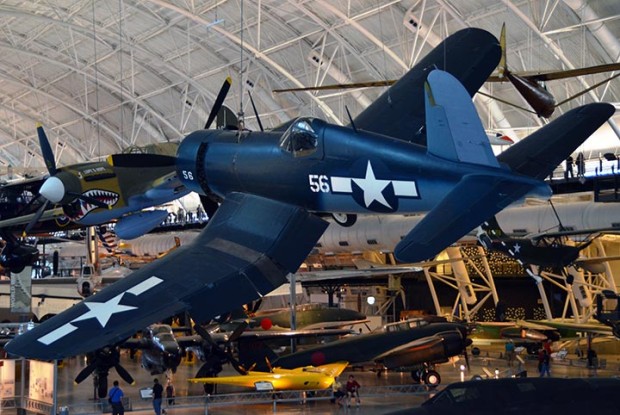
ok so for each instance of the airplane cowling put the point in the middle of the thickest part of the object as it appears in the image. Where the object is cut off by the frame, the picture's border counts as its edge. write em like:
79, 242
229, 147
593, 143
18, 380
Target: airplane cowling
137, 224
451, 344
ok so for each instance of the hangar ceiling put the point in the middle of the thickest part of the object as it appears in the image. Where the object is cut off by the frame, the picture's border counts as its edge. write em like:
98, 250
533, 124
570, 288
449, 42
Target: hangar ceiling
105, 75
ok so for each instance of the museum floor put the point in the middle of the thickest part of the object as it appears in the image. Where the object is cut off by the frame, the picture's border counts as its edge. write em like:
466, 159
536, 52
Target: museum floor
375, 398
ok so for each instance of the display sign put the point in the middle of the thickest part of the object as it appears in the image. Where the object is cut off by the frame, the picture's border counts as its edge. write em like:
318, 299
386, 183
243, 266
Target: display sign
7, 379
41, 384
21, 291
146, 393
264, 386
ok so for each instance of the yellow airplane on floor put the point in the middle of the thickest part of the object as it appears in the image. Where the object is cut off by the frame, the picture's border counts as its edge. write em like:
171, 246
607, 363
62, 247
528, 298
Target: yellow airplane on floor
301, 378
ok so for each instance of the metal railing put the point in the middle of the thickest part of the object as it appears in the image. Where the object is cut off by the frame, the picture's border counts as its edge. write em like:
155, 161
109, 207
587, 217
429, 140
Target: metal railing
243, 398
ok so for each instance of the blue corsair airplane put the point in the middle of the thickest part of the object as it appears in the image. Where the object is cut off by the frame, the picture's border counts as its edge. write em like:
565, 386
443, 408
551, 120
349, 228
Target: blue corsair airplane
272, 187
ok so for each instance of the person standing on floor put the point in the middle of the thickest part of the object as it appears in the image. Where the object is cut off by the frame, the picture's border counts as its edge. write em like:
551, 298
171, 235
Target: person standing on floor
158, 392
115, 397
170, 392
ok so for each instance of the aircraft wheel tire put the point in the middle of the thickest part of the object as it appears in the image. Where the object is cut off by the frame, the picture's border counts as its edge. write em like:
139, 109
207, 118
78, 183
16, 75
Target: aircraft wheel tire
344, 219
432, 379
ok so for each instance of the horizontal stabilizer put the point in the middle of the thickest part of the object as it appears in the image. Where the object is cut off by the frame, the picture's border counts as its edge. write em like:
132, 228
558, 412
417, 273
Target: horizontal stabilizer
476, 198
541, 152
453, 128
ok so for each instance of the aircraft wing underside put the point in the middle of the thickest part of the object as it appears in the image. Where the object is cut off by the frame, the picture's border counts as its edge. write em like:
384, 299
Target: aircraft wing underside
399, 111
246, 250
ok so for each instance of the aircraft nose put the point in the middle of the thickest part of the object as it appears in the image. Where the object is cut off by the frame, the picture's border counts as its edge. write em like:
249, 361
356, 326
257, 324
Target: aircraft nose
53, 189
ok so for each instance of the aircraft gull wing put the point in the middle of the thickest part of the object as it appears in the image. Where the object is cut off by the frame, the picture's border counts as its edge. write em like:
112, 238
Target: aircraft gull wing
399, 111
246, 250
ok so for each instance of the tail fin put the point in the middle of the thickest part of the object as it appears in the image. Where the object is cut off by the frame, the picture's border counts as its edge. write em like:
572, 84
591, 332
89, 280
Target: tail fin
541, 152
454, 130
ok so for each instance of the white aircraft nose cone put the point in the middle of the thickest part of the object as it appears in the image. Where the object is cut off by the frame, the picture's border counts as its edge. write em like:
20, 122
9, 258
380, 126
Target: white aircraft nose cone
53, 189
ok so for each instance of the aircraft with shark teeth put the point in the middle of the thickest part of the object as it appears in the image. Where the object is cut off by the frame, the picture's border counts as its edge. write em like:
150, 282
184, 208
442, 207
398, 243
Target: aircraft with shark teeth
272, 187
84, 194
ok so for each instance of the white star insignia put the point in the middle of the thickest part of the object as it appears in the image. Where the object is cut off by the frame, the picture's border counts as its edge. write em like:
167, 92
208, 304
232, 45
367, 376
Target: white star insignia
372, 187
103, 311
517, 248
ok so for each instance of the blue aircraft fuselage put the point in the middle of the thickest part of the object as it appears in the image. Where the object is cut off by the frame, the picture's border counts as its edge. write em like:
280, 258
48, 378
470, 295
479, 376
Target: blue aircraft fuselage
324, 168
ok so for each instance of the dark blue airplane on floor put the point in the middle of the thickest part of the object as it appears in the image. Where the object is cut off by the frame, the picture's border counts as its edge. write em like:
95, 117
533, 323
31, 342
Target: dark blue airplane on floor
273, 186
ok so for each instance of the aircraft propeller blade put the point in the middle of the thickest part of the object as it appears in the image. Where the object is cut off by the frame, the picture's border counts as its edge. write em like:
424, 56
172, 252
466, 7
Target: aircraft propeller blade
221, 96
36, 217
260, 124
85, 372
226, 353
255, 306
204, 334
268, 364
46, 150
124, 374
238, 331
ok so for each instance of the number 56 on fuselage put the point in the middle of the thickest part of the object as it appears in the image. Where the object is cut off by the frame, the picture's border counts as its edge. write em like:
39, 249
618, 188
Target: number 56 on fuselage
327, 168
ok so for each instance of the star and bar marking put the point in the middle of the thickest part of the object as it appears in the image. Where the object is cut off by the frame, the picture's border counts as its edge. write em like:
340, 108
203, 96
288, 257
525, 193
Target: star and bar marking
101, 311
371, 186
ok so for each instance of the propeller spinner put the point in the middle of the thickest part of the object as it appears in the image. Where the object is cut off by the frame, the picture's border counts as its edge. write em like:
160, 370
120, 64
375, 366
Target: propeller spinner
60, 187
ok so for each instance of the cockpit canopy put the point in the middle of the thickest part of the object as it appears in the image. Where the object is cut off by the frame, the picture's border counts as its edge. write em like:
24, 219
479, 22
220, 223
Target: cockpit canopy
300, 138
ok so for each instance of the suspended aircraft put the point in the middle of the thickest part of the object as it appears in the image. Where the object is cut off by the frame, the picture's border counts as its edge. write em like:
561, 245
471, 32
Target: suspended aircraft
415, 344
271, 187
278, 379
85, 194
543, 250
530, 84
525, 334
94, 193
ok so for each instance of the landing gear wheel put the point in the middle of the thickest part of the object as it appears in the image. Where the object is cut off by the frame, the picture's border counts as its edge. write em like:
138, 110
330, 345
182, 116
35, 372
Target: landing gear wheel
344, 219
432, 379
